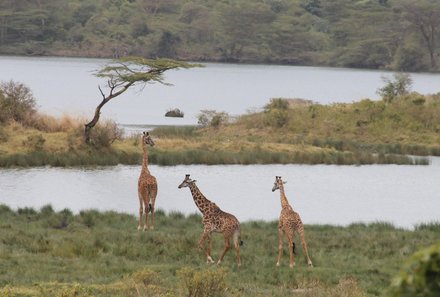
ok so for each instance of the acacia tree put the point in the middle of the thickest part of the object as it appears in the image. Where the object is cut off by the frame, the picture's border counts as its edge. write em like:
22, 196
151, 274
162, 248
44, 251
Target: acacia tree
124, 73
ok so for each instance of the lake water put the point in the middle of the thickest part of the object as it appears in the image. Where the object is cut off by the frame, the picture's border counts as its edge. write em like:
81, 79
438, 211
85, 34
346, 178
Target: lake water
402, 195
322, 194
67, 85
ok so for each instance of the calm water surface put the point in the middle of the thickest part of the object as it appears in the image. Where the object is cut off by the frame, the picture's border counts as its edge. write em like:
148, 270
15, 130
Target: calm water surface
322, 194
67, 85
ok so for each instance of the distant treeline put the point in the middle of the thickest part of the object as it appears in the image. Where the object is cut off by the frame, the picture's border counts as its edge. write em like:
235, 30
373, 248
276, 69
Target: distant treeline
386, 34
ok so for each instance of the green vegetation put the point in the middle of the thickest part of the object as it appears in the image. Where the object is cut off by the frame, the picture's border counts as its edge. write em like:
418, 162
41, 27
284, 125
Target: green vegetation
58, 253
420, 276
287, 131
391, 34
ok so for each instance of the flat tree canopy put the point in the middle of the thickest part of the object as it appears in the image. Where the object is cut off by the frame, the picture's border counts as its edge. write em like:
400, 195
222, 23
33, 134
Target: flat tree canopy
123, 73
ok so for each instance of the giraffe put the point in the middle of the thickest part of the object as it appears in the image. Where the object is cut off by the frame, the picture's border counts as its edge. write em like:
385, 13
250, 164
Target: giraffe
147, 186
214, 220
289, 223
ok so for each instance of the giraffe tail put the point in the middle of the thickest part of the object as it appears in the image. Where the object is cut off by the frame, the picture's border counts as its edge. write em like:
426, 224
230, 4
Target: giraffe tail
237, 238
293, 249
150, 207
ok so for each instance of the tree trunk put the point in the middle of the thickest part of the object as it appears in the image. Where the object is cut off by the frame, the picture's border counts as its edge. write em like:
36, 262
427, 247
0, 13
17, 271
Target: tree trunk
93, 122
88, 127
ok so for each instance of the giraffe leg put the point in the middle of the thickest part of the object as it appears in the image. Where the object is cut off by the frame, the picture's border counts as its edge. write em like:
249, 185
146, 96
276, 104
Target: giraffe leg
140, 211
304, 246
225, 249
237, 243
290, 238
140, 217
146, 216
206, 235
280, 245
153, 202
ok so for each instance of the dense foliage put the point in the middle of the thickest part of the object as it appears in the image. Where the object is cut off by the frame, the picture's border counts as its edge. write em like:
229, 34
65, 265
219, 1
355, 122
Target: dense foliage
394, 34
420, 276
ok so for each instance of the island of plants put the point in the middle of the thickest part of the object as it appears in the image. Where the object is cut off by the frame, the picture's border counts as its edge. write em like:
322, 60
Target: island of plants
388, 131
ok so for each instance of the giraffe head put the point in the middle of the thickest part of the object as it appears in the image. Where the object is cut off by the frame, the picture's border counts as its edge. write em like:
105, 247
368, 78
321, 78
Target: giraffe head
146, 139
186, 182
278, 182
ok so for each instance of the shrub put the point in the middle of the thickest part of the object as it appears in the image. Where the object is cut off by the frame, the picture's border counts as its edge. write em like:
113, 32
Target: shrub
400, 86
3, 135
104, 134
16, 102
174, 113
420, 276
277, 118
212, 118
34, 143
203, 283
276, 103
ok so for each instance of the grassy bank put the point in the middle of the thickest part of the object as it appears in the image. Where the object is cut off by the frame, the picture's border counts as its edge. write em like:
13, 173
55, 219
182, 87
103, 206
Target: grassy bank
286, 131
48, 253
26, 147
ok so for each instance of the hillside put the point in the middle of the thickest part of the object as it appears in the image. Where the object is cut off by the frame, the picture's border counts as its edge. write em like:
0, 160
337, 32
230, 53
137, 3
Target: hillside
385, 34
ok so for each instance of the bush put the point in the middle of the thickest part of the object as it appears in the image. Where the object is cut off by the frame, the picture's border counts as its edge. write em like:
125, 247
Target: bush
203, 283
104, 134
212, 118
392, 89
16, 103
420, 276
34, 143
3, 135
277, 118
276, 103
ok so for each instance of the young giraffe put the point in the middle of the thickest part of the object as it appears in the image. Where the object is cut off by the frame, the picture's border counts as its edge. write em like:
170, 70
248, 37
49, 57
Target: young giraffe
147, 186
289, 223
214, 220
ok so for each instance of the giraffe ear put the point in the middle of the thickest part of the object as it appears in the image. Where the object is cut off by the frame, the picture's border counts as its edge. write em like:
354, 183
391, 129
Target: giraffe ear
148, 133
285, 182
194, 181
143, 132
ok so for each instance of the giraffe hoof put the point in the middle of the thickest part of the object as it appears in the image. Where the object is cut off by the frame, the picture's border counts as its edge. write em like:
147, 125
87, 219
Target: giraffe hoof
278, 264
152, 227
139, 228
219, 262
209, 260
145, 228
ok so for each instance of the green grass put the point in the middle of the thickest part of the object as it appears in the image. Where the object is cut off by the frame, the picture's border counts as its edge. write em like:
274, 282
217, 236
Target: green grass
49, 253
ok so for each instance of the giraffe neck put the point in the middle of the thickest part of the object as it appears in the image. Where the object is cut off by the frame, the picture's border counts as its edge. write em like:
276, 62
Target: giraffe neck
145, 160
283, 198
201, 201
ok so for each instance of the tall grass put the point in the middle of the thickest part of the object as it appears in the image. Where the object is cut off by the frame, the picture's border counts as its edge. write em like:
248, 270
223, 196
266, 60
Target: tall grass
90, 157
57, 253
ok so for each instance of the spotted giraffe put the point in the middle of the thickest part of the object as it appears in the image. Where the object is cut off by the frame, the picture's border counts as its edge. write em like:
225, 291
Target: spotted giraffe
289, 223
214, 220
147, 186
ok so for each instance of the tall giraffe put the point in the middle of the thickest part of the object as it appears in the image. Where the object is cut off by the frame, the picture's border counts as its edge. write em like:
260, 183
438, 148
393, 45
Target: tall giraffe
289, 223
147, 186
214, 220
